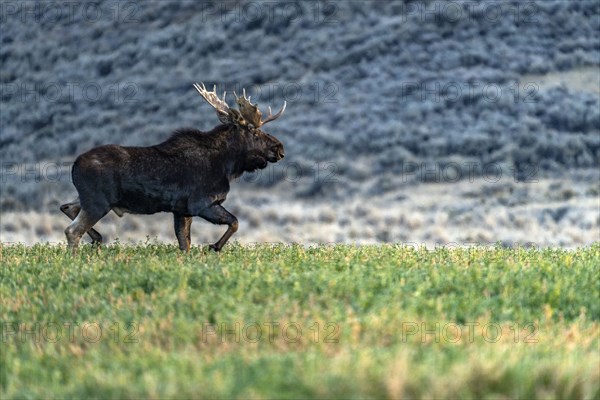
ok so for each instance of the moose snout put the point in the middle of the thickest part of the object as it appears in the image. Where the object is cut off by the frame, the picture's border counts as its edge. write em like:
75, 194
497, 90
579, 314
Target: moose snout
278, 151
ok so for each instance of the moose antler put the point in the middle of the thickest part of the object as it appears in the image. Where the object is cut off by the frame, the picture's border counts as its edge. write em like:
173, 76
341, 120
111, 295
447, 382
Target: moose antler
223, 110
252, 114
272, 117
249, 111
248, 114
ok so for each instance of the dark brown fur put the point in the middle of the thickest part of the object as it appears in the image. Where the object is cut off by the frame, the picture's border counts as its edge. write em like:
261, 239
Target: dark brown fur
187, 175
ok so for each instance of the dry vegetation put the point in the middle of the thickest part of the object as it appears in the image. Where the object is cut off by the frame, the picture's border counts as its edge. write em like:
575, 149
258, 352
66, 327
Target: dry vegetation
549, 212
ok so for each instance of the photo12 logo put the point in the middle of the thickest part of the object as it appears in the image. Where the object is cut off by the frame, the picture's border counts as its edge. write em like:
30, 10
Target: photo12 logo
521, 12
71, 332
468, 332
319, 12
60, 171
68, 92
51, 12
452, 91
453, 172
270, 331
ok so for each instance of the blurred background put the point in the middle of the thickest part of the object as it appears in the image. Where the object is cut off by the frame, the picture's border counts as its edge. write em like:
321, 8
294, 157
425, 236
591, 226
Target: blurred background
417, 122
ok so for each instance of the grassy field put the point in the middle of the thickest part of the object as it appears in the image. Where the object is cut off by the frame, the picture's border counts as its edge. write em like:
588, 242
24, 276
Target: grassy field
290, 321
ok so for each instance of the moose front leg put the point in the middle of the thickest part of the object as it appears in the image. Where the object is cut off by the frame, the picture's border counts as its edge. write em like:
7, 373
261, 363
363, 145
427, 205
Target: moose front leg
182, 231
219, 215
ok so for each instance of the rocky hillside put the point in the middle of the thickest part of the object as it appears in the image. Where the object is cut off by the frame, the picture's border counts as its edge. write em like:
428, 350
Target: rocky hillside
373, 88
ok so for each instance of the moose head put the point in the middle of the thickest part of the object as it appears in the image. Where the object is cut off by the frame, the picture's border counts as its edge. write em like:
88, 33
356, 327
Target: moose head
259, 147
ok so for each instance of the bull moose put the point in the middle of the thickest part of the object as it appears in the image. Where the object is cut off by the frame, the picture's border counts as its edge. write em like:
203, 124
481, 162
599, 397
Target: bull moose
188, 174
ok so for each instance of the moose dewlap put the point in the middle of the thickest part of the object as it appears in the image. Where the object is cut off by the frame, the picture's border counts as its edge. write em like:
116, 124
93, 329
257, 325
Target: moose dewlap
188, 174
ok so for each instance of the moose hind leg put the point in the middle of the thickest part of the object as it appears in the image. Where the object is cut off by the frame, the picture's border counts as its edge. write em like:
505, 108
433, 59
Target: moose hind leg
182, 231
80, 225
71, 210
219, 215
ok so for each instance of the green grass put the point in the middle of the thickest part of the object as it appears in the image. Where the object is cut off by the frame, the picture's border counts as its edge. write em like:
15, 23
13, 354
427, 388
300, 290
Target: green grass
375, 321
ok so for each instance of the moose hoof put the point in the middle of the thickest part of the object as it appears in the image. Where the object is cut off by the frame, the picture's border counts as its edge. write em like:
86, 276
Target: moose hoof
214, 247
